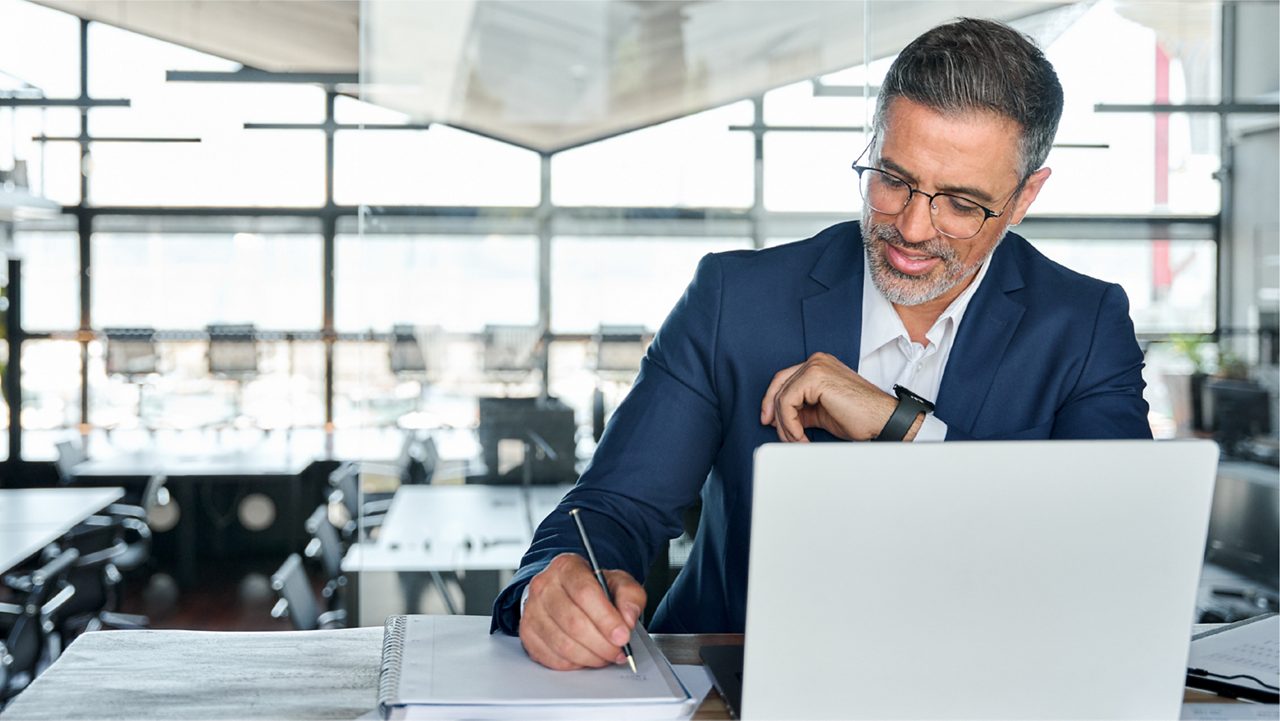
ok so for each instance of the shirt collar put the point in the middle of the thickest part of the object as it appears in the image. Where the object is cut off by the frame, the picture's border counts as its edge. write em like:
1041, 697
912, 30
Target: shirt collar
881, 323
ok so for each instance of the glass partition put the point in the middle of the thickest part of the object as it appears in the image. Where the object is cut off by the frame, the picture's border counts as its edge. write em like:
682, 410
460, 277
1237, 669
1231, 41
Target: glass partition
479, 225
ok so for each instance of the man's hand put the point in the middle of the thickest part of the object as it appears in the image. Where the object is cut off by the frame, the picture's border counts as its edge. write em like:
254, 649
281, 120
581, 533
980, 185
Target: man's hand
568, 623
824, 393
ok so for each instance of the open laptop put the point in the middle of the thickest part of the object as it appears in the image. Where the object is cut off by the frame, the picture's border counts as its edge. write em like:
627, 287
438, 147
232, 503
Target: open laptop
971, 580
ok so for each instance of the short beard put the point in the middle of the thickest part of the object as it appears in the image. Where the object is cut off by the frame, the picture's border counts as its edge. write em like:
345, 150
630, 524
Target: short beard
901, 288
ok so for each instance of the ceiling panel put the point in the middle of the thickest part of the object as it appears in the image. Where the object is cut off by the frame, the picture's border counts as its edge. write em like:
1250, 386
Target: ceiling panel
551, 74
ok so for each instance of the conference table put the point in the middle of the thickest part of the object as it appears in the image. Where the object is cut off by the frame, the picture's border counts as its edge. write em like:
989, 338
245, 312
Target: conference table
32, 518
248, 460
148, 675
478, 530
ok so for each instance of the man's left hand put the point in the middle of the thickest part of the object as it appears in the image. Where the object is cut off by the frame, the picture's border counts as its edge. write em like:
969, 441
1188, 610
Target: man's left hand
824, 393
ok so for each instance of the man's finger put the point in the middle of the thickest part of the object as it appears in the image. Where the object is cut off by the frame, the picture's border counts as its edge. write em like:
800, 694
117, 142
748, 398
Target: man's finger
784, 406
532, 632
792, 400
628, 595
770, 395
608, 629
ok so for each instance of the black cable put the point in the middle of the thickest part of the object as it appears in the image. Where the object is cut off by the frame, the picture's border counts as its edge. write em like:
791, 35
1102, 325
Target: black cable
1202, 672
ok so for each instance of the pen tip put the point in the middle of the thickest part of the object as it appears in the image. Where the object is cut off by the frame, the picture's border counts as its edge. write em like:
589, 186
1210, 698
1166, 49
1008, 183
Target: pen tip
631, 660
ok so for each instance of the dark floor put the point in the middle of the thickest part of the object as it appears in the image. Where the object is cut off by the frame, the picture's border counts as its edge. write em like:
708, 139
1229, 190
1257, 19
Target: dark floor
228, 596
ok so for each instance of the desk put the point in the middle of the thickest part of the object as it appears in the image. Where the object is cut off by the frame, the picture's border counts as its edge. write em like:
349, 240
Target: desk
282, 675
479, 529
31, 519
183, 469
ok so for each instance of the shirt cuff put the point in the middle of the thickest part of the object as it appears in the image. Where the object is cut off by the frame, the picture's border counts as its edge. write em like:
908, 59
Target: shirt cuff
524, 596
932, 430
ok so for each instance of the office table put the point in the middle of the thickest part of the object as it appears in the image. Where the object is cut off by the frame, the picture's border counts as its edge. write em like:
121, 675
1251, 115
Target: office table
280, 459
183, 469
478, 529
267, 675
32, 518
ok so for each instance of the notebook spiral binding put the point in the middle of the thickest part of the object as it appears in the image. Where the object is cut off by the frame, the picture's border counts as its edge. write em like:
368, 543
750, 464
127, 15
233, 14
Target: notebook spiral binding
389, 673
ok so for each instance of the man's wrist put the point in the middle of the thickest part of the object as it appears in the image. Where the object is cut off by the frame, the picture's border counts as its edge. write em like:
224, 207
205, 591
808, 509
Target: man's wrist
906, 418
911, 436
884, 411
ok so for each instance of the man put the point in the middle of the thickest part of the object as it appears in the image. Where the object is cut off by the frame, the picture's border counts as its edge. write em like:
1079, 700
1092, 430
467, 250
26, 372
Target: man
809, 341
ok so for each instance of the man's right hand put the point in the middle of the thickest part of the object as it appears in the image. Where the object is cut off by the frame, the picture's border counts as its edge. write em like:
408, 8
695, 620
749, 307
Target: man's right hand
568, 623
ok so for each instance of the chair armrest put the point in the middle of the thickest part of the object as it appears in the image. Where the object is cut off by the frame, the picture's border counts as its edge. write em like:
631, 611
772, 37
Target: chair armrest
126, 510
373, 520
332, 619
370, 508
52, 605
138, 526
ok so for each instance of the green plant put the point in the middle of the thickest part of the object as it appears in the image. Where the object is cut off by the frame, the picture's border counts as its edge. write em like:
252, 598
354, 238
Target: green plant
1192, 348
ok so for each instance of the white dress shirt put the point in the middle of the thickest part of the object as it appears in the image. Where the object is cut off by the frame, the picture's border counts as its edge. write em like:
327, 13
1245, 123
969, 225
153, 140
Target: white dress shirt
888, 357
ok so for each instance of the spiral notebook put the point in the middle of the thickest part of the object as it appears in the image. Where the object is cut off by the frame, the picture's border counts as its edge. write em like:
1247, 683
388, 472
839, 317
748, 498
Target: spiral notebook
436, 667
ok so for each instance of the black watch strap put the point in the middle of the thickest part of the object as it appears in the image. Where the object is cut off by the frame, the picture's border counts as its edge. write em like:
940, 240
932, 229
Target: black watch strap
910, 405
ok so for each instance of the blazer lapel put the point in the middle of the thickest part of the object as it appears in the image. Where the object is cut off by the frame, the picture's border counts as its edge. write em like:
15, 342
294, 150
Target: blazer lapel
988, 325
833, 315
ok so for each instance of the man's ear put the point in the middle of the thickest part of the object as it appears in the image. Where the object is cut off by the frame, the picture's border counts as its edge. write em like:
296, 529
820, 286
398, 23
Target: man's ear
1030, 190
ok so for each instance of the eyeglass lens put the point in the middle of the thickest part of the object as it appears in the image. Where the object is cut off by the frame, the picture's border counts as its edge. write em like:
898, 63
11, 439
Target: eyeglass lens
952, 215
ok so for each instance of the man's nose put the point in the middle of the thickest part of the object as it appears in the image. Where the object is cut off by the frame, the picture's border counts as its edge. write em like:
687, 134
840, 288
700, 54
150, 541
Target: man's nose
915, 222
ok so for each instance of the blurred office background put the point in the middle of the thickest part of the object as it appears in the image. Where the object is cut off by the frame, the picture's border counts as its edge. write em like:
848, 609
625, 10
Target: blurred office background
256, 245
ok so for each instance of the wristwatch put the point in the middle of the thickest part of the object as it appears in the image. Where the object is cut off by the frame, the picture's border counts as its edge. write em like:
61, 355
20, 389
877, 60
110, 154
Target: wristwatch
909, 406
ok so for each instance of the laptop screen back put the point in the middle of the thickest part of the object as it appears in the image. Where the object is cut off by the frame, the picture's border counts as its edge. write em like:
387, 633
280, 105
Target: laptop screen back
974, 580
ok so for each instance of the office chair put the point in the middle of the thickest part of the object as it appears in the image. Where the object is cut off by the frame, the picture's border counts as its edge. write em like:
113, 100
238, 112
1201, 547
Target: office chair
418, 459
510, 353
131, 355
233, 355
98, 542
28, 638
619, 350
297, 600
405, 356
71, 453
362, 521
326, 546
136, 526
361, 516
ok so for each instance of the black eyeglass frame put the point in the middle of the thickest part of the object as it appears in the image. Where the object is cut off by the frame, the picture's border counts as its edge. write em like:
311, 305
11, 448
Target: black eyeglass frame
913, 191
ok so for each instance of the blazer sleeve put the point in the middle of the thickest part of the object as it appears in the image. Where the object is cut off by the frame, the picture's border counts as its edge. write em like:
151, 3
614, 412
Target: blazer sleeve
1106, 401
653, 457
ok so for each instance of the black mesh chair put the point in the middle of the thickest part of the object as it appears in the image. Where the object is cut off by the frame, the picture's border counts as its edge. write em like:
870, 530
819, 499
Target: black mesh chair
135, 525
99, 541
364, 516
298, 601
361, 514
71, 453
326, 547
28, 637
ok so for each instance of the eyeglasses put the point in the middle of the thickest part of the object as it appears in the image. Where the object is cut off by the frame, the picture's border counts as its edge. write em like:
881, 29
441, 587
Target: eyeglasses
952, 215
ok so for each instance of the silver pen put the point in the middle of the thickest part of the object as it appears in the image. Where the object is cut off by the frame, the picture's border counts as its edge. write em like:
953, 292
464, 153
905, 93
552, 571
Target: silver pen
595, 568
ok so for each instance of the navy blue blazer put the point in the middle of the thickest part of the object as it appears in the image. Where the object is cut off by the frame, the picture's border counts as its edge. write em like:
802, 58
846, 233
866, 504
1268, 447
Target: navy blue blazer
1043, 352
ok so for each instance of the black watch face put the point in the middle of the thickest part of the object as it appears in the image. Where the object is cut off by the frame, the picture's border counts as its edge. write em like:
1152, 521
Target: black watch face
908, 393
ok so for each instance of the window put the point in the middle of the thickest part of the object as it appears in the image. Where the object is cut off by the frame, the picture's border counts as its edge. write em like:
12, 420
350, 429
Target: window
440, 166
50, 278
693, 161
1171, 284
185, 281
631, 281
457, 283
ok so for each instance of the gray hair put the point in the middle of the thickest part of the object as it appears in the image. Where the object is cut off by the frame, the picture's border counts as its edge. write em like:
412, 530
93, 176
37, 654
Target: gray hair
980, 65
